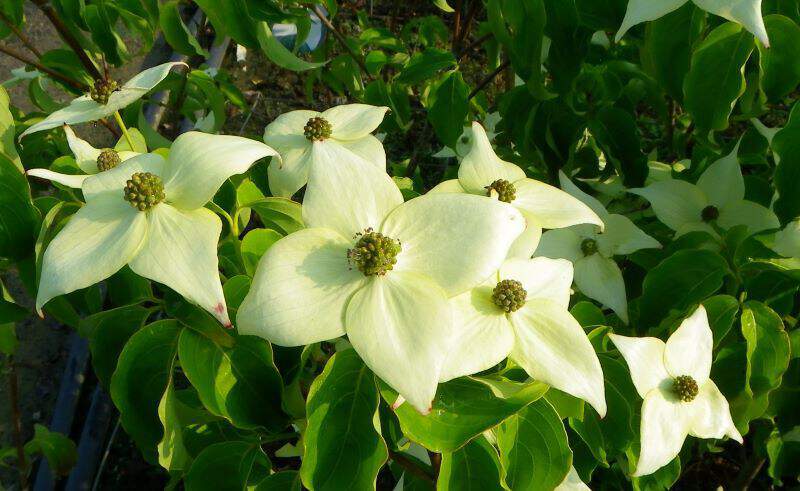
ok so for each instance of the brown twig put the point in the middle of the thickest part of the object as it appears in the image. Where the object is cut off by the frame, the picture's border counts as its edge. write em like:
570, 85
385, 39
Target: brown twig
20, 35
474, 44
340, 39
19, 443
68, 37
466, 23
486, 81
412, 467
456, 26
110, 127
19, 56
748, 473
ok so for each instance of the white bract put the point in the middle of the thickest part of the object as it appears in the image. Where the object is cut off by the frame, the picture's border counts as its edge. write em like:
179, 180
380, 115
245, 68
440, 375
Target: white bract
572, 482
592, 252
679, 398
717, 198
464, 142
745, 12
303, 137
378, 270
155, 223
482, 172
522, 312
85, 109
86, 157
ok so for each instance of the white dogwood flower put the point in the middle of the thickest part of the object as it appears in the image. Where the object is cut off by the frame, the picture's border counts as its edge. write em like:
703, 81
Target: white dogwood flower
482, 172
592, 252
89, 159
716, 199
522, 312
464, 142
148, 213
105, 99
679, 398
301, 137
572, 482
378, 270
745, 12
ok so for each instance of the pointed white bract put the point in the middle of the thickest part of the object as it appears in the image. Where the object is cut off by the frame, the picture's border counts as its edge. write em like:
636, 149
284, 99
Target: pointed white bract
321, 282
745, 12
172, 241
349, 127
542, 205
84, 109
538, 333
669, 412
717, 200
86, 157
592, 252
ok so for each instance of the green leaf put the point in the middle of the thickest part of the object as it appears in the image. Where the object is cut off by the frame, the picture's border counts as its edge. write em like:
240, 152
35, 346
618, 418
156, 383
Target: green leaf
240, 383
281, 481
343, 448
231, 17
143, 372
223, 466
177, 410
616, 133
668, 44
235, 289
279, 214
588, 314
780, 63
8, 339
768, 348
108, 332
278, 53
254, 245
101, 26
786, 145
678, 282
716, 77
59, 450
475, 466
463, 408
534, 449
721, 310
175, 31
425, 65
7, 132
449, 108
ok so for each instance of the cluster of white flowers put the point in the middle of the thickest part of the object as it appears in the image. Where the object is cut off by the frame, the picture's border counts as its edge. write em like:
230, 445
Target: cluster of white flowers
441, 286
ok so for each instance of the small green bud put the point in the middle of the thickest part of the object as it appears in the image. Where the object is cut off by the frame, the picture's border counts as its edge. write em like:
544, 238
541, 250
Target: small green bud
108, 159
144, 190
374, 253
102, 90
685, 388
506, 191
709, 213
588, 247
509, 295
317, 129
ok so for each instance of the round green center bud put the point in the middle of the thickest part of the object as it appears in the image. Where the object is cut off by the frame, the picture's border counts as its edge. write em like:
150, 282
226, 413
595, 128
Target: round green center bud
102, 89
506, 191
317, 129
144, 190
374, 254
685, 388
108, 159
709, 213
588, 247
509, 295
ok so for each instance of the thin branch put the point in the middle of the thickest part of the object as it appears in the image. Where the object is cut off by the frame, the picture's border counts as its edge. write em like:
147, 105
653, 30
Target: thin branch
474, 44
68, 37
110, 127
340, 39
60, 76
411, 466
22, 37
486, 81
456, 26
466, 23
